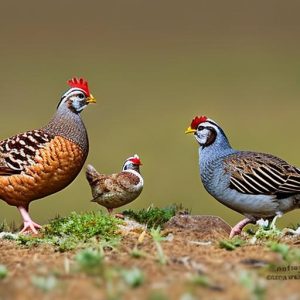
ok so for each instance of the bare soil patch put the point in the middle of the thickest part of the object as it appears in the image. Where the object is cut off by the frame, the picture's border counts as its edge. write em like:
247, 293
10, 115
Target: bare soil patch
196, 267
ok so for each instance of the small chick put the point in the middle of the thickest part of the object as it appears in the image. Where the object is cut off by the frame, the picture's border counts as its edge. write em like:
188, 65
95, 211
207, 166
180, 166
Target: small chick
112, 191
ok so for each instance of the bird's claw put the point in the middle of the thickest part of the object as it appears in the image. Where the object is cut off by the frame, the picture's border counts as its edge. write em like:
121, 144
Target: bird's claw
30, 226
119, 216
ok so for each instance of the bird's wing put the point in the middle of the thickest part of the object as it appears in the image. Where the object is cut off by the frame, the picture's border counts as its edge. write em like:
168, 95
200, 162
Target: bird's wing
127, 180
5, 171
20, 151
113, 184
259, 173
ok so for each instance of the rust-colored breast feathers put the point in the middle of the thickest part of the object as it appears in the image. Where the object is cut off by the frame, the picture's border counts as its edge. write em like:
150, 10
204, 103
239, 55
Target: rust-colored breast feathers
37, 168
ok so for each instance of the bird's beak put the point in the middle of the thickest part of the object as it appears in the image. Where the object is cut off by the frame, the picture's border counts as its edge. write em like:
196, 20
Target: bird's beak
190, 130
90, 99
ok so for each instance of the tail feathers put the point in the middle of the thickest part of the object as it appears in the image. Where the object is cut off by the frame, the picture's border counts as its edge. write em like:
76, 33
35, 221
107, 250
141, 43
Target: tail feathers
91, 174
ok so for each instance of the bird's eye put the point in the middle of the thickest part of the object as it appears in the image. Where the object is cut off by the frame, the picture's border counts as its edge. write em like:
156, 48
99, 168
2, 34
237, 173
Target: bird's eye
81, 96
201, 128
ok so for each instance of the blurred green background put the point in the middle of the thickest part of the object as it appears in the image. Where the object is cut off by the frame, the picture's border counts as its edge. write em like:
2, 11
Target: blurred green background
153, 66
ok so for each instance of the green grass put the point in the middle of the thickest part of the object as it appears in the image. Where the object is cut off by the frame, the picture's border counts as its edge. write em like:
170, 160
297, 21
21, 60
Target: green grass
157, 239
75, 230
231, 244
154, 216
44, 283
90, 261
287, 253
255, 285
3, 272
205, 281
3, 225
83, 230
133, 277
266, 231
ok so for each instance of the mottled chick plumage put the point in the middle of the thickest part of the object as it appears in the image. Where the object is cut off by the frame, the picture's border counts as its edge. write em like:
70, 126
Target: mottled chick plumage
118, 189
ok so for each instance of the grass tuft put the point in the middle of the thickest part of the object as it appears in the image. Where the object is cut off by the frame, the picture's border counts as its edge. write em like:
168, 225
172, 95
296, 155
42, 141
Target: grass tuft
231, 244
46, 284
154, 216
206, 282
287, 253
75, 230
3, 226
133, 277
90, 261
157, 239
266, 231
294, 226
3, 272
255, 285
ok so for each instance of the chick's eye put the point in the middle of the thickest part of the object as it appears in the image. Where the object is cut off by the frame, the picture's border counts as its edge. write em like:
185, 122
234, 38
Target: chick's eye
81, 96
200, 128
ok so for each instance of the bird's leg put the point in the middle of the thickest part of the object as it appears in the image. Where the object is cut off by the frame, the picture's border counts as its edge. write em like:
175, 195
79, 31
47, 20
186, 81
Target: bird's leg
120, 216
237, 229
29, 225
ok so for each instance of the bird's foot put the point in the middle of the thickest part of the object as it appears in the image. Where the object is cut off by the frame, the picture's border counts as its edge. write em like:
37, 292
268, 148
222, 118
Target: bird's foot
237, 229
119, 216
30, 226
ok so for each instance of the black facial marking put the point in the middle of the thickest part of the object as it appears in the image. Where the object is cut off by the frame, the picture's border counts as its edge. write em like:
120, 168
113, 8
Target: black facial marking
211, 136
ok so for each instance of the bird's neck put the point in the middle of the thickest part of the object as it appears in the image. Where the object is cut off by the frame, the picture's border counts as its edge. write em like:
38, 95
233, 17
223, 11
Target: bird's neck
136, 173
69, 125
219, 148
135, 168
127, 167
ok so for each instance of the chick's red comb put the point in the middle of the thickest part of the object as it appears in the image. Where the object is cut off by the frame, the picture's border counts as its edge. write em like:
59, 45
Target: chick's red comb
79, 83
136, 160
197, 120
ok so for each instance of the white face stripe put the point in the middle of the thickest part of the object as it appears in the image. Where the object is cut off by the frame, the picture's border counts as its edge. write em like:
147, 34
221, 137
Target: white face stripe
73, 91
69, 93
204, 134
209, 124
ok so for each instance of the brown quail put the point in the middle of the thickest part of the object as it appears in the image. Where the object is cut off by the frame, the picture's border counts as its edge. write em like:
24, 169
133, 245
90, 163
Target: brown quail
41, 162
112, 191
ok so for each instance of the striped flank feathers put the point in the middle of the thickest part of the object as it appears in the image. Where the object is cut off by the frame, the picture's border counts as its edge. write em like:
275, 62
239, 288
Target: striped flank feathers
259, 173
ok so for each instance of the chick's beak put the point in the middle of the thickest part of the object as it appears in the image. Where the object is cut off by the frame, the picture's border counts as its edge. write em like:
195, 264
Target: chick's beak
90, 99
190, 130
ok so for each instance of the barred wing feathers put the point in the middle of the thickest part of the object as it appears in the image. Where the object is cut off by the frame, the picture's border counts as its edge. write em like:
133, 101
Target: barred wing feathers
259, 173
20, 151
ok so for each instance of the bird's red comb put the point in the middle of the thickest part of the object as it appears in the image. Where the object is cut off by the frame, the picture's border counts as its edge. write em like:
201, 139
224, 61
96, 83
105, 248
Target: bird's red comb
136, 160
198, 120
79, 83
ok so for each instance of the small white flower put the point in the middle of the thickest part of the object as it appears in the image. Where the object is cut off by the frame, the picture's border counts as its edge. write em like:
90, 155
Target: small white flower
297, 231
262, 223
6, 235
